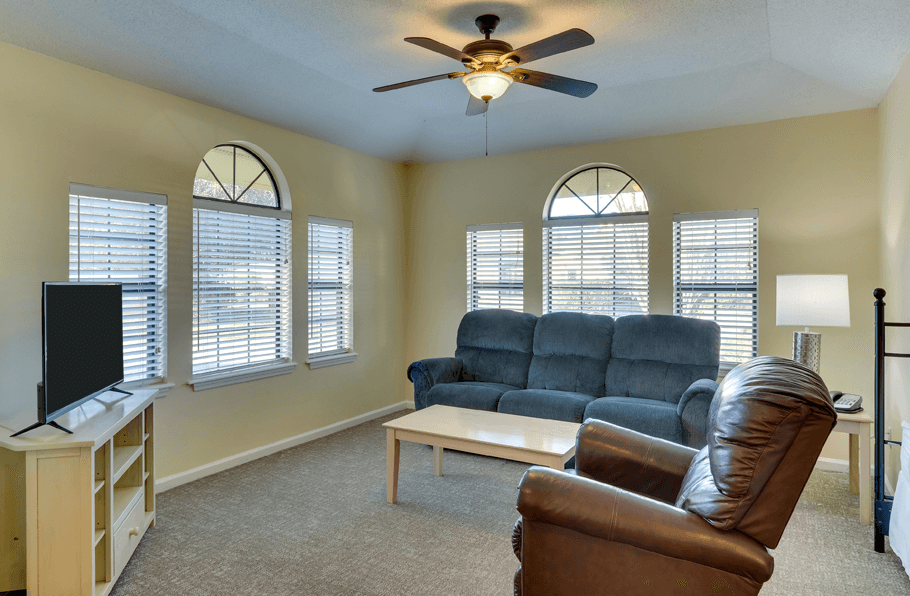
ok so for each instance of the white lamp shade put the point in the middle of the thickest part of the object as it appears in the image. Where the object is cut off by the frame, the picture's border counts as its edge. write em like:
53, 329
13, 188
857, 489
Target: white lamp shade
813, 301
487, 83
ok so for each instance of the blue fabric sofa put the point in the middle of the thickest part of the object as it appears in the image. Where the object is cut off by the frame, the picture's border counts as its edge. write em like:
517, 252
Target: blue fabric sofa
651, 373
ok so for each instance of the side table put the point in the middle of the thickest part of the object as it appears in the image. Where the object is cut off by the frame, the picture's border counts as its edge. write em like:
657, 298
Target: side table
859, 427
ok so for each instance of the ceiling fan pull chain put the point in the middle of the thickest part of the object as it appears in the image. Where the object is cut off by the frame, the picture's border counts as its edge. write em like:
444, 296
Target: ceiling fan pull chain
486, 134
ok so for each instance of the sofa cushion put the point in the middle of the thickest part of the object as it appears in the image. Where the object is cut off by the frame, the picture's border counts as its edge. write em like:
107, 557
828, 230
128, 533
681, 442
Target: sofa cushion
495, 346
468, 394
543, 403
653, 417
659, 356
571, 352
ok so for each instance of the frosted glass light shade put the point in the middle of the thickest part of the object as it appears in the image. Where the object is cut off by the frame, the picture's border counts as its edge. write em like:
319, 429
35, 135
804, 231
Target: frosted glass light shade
484, 83
813, 301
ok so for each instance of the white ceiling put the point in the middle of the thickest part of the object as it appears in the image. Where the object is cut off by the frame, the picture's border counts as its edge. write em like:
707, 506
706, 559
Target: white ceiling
309, 66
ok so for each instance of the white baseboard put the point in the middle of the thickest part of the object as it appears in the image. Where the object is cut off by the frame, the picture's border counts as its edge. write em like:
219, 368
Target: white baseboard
832, 465
175, 480
842, 465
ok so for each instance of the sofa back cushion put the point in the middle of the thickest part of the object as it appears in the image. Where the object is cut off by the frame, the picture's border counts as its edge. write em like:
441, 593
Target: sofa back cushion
659, 356
496, 345
571, 352
768, 423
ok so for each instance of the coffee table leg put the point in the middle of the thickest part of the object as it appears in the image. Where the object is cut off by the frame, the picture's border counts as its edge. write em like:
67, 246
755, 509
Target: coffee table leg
437, 460
393, 450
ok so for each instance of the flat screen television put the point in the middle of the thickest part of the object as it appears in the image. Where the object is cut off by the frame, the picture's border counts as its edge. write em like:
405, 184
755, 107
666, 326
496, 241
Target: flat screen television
82, 346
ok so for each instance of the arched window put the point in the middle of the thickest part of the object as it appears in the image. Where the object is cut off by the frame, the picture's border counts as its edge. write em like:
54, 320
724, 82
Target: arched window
595, 239
241, 269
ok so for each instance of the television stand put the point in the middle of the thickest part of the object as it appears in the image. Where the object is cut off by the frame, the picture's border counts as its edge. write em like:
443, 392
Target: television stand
119, 390
40, 424
73, 508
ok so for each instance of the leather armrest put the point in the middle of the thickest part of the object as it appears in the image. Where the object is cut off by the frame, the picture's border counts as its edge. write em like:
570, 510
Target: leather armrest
609, 513
693, 410
631, 460
430, 371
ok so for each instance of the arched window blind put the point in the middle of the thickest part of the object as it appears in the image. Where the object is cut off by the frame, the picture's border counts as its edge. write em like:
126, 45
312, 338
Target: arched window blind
595, 245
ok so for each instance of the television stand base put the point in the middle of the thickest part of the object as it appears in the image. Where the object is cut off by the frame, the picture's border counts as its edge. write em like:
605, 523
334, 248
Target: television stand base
38, 424
119, 390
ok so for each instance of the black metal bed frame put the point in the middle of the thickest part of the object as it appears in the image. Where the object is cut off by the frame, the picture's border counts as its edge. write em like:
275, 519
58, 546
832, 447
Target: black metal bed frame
883, 502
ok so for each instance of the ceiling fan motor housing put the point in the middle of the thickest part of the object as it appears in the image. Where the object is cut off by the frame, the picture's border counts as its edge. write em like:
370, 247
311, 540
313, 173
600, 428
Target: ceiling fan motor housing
487, 50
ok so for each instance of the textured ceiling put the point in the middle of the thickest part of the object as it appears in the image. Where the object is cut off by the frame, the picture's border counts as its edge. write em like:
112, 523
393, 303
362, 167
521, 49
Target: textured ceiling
662, 66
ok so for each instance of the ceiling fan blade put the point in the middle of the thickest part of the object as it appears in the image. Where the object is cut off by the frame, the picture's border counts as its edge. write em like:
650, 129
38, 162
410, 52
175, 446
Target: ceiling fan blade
555, 44
553, 82
440, 48
476, 106
451, 75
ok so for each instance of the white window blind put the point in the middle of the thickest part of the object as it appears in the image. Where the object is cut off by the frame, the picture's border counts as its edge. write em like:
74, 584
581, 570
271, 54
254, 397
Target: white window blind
715, 276
496, 266
596, 266
241, 288
121, 236
331, 274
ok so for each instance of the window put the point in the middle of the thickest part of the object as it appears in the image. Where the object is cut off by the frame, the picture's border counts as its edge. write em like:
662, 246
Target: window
715, 277
595, 244
121, 236
495, 266
330, 285
241, 271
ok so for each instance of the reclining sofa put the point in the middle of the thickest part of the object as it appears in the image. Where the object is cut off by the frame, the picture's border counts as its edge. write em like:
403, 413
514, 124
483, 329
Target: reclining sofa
654, 374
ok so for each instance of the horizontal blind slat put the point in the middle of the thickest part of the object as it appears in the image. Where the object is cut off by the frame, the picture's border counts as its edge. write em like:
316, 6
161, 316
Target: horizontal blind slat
126, 242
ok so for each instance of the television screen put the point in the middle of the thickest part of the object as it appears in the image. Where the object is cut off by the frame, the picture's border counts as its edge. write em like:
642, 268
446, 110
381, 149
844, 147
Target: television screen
83, 343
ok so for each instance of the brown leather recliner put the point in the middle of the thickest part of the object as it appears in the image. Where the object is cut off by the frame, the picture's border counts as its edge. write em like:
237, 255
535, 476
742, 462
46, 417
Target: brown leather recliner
641, 515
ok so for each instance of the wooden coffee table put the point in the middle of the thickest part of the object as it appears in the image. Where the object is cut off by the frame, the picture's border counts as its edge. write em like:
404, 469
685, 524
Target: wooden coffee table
518, 438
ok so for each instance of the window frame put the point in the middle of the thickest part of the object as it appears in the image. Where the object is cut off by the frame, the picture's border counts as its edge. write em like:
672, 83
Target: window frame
598, 222
284, 364
749, 218
344, 328
156, 205
505, 287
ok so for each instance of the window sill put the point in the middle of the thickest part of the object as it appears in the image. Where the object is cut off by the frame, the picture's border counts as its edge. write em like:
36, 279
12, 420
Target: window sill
334, 359
162, 387
215, 380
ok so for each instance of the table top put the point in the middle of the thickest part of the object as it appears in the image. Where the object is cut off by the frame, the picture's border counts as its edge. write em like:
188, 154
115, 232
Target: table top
552, 437
864, 416
92, 423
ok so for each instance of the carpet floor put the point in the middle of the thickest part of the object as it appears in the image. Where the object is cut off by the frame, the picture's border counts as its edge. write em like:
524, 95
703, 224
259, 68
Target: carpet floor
313, 520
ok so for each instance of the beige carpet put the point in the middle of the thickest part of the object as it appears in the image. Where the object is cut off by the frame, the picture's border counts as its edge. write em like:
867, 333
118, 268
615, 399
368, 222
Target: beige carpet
313, 520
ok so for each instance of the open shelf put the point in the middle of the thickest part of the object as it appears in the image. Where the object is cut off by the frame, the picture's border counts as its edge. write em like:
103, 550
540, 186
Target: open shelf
123, 500
98, 485
123, 457
99, 534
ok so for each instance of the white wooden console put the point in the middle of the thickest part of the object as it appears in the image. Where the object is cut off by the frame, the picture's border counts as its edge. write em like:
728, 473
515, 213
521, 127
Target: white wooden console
74, 507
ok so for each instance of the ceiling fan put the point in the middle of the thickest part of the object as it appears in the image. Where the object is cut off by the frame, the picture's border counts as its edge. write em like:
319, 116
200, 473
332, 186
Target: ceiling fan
488, 58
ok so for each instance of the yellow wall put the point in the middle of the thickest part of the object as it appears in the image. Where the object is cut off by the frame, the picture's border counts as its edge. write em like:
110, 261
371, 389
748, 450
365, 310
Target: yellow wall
60, 123
894, 126
814, 181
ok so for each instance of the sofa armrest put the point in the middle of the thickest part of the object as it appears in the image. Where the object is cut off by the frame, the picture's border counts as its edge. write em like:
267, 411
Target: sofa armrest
693, 411
631, 460
612, 514
430, 371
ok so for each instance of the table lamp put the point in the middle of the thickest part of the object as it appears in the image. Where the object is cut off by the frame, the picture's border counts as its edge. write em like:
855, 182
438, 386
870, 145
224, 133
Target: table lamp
811, 300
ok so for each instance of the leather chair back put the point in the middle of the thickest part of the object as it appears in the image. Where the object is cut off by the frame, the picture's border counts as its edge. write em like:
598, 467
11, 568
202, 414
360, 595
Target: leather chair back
768, 423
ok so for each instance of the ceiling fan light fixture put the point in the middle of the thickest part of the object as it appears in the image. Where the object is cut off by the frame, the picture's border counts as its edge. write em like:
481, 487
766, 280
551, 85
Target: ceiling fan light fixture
487, 84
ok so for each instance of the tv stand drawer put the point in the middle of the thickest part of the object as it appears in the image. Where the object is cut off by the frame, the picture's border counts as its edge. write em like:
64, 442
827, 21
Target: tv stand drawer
128, 535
